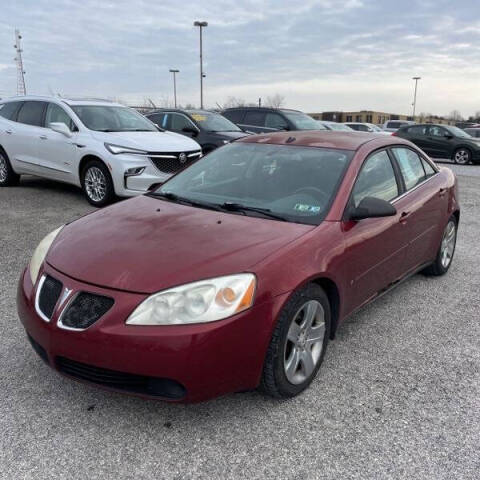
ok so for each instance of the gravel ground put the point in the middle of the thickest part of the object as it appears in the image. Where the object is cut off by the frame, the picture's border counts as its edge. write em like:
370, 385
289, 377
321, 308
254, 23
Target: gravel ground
397, 397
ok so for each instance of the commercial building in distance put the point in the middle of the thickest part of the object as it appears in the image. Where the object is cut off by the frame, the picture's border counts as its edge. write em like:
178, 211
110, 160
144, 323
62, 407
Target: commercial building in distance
378, 118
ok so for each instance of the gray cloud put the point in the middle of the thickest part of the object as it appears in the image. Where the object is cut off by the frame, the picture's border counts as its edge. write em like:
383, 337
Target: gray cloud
320, 54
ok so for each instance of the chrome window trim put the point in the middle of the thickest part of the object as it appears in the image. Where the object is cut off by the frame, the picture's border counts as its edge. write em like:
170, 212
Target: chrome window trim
412, 189
37, 299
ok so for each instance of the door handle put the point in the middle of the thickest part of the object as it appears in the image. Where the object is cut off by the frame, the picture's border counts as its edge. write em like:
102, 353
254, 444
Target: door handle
43, 137
442, 192
404, 216
8, 131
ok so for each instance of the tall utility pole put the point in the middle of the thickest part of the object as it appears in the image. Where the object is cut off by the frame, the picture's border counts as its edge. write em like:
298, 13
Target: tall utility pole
415, 96
201, 25
172, 70
21, 90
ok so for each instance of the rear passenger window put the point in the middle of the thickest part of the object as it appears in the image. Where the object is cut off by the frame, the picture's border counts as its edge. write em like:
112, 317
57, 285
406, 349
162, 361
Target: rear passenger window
376, 179
254, 118
410, 165
8, 110
418, 130
234, 116
31, 113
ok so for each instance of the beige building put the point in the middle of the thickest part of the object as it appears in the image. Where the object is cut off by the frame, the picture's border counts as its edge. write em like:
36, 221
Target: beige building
370, 116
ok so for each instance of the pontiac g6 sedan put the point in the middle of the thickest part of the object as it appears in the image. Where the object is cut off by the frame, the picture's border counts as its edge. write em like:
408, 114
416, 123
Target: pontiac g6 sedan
237, 271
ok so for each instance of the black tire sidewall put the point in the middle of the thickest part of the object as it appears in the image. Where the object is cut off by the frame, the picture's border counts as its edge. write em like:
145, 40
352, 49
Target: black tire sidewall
469, 156
110, 191
275, 355
12, 177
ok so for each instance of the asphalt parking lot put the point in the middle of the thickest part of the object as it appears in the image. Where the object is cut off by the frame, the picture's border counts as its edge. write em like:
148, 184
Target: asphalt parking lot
397, 397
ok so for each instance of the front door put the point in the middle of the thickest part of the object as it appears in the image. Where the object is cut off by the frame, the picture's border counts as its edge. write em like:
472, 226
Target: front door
375, 247
440, 142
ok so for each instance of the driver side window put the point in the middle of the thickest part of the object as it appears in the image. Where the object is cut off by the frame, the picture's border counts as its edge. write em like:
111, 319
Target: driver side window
56, 114
376, 179
437, 132
179, 122
274, 120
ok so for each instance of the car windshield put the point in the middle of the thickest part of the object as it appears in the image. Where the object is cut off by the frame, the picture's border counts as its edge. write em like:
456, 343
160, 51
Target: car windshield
295, 184
105, 118
214, 122
458, 132
302, 121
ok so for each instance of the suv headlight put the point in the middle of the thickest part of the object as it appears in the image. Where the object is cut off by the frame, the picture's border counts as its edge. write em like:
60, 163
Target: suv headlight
198, 302
117, 149
40, 253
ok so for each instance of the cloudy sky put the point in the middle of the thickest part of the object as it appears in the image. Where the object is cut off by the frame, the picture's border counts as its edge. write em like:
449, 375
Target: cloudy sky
319, 54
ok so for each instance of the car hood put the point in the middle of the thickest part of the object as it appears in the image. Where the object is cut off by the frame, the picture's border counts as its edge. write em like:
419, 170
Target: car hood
146, 244
230, 135
149, 141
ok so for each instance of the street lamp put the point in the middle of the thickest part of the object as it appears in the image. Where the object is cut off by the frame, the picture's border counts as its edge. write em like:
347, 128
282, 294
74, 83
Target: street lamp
201, 25
415, 95
174, 84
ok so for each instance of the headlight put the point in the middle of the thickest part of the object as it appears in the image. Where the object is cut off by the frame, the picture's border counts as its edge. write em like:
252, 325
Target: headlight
117, 149
40, 253
199, 302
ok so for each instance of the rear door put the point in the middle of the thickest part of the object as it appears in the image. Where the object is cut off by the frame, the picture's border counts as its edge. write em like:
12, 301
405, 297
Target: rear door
375, 247
8, 129
57, 152
421, 207
254, 121
417, 135
26, 137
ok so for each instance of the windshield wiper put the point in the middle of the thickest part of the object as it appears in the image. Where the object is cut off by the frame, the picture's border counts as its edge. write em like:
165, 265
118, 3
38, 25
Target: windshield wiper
237, 207
187, 201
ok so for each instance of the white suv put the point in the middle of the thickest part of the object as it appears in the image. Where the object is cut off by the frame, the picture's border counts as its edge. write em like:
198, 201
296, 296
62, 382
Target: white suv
105, 148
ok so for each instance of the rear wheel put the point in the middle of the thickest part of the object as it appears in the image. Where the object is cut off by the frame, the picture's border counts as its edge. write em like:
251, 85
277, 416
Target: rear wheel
445, 253
298, 343
462, 156
7, 176
97, 183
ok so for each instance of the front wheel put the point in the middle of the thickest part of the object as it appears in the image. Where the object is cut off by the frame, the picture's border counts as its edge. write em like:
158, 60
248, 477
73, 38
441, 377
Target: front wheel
462, 156
97, 184
7, 176
444, 257
298, 343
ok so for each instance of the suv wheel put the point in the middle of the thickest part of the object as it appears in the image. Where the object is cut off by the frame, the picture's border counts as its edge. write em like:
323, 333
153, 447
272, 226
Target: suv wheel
298, 343
7, 175
97, 184
462, 156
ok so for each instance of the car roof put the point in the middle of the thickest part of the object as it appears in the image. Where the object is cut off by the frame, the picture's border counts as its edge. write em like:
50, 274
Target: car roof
266, 109
57, 99
323, 138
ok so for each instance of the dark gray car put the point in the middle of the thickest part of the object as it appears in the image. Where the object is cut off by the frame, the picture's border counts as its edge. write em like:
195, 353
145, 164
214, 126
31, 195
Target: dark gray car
209, 129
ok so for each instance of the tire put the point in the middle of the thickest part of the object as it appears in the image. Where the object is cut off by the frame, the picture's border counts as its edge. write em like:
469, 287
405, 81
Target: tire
286, 371
97, 184
445, 253
7, 176
462, 156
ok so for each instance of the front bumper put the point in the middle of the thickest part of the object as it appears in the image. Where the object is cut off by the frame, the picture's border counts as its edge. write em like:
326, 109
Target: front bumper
206, 360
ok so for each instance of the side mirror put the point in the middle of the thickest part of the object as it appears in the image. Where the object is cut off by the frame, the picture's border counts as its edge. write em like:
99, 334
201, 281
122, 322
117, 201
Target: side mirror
191, 130
60, 127
371, 207
448, 135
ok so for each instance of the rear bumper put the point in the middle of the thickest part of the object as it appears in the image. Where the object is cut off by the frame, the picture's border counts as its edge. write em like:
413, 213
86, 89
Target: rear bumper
206, 360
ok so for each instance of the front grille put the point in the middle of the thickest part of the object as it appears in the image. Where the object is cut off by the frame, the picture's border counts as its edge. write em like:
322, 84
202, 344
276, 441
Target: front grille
171, 162
85, 310
41, 352
162, 387
49, 294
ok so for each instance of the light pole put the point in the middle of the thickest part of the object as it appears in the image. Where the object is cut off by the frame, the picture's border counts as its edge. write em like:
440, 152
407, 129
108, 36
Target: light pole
201, 25
172, 70
415, 95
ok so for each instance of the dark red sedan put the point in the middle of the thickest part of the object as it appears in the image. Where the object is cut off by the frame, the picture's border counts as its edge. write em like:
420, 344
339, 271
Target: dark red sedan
237, 271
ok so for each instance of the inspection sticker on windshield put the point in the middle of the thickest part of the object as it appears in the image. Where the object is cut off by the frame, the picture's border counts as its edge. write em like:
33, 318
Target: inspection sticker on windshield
303, 207
199, 118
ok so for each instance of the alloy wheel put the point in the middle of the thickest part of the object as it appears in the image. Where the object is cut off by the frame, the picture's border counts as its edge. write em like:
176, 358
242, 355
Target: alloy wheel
95, 184
448, 244
304, 344
462, 156
3, 168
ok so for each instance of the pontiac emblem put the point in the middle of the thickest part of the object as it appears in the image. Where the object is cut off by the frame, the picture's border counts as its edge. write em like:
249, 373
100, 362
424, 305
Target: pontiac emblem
182, 157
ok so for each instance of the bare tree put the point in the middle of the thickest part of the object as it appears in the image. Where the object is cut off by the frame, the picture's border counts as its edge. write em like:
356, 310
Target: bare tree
276, 101
455, 115
234, 102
